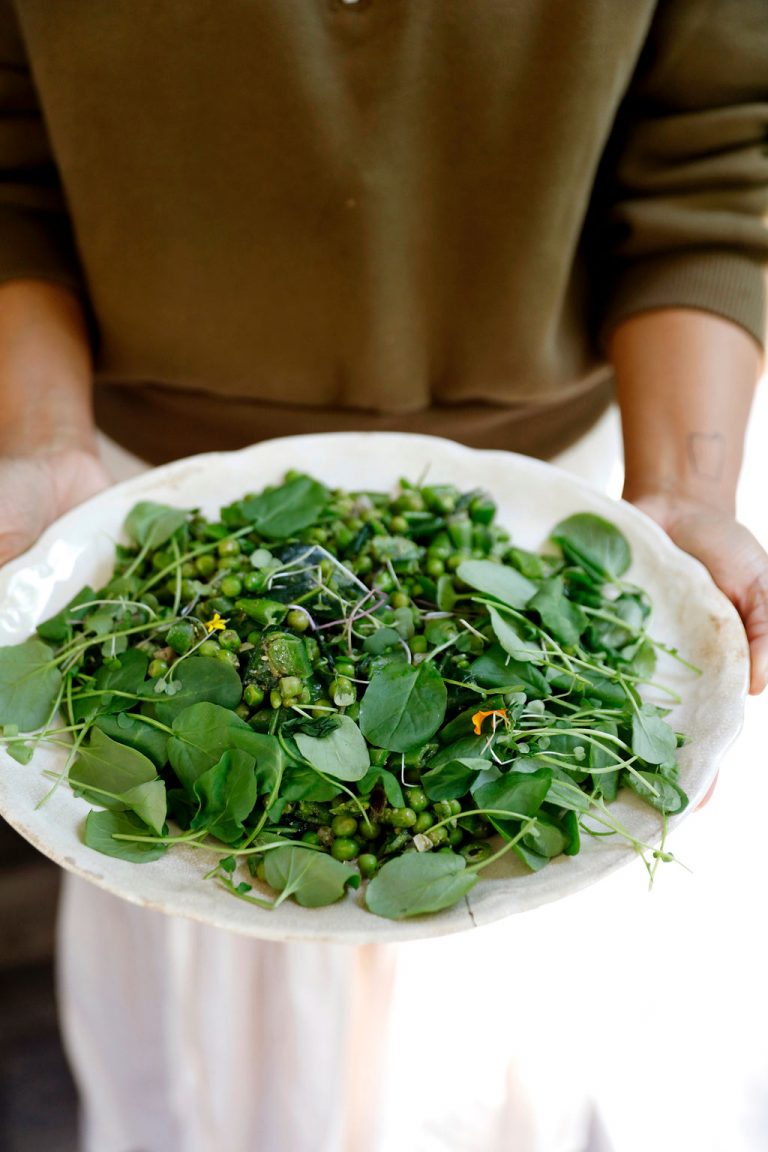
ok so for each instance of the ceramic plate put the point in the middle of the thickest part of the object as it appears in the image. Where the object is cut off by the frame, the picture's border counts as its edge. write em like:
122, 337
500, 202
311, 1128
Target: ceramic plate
689, 613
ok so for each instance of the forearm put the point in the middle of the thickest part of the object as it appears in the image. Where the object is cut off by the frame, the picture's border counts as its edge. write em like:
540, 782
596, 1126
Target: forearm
685, 381
45, 371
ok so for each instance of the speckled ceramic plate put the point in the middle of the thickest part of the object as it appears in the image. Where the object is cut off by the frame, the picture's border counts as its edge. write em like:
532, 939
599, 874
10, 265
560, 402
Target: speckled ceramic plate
689, 612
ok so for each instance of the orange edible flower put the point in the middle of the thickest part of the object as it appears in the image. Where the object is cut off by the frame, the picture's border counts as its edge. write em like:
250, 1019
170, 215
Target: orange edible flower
215, 624
477, 719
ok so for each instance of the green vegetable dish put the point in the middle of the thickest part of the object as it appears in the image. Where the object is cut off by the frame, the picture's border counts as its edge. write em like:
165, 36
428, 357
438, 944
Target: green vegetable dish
327, 687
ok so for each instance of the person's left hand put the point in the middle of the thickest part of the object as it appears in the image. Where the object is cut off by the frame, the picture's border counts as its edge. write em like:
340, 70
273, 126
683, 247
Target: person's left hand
736, 561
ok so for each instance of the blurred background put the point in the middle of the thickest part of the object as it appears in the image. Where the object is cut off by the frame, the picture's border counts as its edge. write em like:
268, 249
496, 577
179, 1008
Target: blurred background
616, 1021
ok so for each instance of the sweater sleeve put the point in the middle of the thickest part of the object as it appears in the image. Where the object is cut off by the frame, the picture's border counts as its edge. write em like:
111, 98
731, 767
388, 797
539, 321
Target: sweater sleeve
35, 234
683, 195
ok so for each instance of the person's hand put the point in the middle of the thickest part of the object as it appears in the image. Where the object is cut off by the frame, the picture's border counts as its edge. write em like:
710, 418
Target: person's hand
37, 488
735, 559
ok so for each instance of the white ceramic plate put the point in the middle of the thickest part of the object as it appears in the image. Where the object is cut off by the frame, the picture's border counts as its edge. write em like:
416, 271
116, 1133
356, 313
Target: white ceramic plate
689, 612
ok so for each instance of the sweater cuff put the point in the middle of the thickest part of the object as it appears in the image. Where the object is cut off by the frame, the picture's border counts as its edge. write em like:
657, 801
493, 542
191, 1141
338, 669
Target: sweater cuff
729, 284
38, 246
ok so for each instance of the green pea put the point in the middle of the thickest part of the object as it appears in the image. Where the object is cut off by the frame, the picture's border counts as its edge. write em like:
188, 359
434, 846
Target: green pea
205, 565
438, 836
253, 696
368, 829
455, 560
230, 640
455, 837
231, 587
221, 604
418, 643
191, 589
157, 668
298, 620
434, 566
417, 799
255, 581
424, 822
161, 560
290, 686
275, 699
344, 668
399, 817
367, 863
229, 547
311, 837
343, 691
228, 657
243, 711
401, 600
345, 848
344, 826
399, 524
209, 648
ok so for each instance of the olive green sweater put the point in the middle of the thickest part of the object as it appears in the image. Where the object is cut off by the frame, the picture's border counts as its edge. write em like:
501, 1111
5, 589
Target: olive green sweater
298, 215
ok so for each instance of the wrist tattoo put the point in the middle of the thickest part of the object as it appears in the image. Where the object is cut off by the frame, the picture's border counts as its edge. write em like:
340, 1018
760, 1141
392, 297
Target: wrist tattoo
706, 454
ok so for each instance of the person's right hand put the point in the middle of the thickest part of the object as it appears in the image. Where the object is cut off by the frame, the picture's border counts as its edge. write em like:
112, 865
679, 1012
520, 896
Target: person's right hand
36, 489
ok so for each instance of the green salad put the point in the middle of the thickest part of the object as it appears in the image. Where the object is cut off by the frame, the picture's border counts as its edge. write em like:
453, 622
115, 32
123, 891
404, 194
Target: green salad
324, 688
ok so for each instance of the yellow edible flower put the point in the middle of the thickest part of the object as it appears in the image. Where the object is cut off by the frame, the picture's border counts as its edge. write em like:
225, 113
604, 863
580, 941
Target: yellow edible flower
215, 624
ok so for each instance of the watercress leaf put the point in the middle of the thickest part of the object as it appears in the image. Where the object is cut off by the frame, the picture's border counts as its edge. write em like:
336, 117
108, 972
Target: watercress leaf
564, 793
655, 790
641, 658
301, 782
342, 753
508, 634
127, 674
280, 512
545, 837
559, 616
149, 802
534, 860
29, 684
652, 738
57, 628
417, 883
266, 751
151, 524
498, 580
403, 706
201, 679
470, 746
389, 783
226, 795
594, 543
519, 793
101, 827
107, 766
314, 879
201, 734
452, 780
127, 728
496, 669
381, 640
